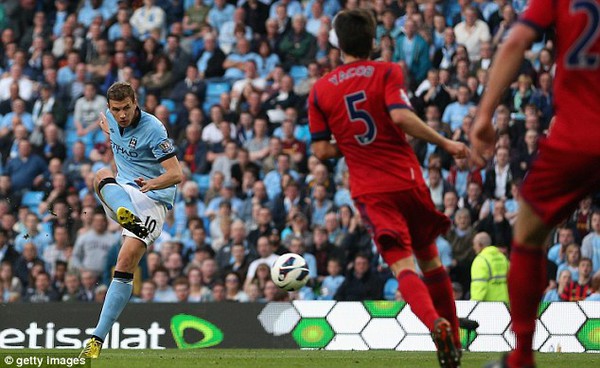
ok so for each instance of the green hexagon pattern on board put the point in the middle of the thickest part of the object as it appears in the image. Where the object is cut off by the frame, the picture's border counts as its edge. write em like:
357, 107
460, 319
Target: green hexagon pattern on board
313, 333
589, 334
383, 308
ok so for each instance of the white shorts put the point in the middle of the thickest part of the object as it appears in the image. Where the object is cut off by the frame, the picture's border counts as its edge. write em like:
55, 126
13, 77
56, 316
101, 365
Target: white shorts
151, 212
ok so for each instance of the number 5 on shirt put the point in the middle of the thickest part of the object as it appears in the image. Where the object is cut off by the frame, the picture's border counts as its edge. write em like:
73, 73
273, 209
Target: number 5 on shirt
363, 116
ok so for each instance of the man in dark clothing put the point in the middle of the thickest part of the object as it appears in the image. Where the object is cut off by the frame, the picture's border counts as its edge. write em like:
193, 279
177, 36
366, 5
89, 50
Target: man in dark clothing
361, 283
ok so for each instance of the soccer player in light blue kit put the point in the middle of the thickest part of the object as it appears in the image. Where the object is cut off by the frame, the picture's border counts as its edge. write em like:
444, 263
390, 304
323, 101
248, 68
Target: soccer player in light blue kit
138, 197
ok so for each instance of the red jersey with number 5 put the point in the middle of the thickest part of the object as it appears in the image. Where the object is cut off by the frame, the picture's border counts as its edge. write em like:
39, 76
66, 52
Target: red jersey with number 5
576, 86
352, 104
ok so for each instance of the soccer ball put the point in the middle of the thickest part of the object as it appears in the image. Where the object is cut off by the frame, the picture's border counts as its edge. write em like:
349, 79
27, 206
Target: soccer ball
290, 272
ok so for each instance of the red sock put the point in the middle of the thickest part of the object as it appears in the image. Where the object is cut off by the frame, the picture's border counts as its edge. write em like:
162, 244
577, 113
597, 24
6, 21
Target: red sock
414, 292
440, 289
526, 283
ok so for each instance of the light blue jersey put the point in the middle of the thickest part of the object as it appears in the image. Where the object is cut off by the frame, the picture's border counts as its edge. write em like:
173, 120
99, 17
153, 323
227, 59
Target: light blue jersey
138, 151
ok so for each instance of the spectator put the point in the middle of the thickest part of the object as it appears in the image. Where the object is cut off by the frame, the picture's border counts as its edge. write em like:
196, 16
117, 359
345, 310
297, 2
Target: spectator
8, 253
456, 111
564, 280
59, 250
43, 291
297, 46
72, 288
210, 63
18, 114
266, 256
472, 32
158, 81
10, 285
220, 13
91, 248
413, 50
332, 282
33, 233
590, 247
196, 290
460, 238
233, 292
595, 296
579, 290
497, 226
361, 283
572, 258
181, 287
488, 271
89, 281
164, 292
557, 253
148, 18
16, 76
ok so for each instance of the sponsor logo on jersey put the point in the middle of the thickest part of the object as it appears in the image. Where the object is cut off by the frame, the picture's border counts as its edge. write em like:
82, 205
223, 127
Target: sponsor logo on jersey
123, 151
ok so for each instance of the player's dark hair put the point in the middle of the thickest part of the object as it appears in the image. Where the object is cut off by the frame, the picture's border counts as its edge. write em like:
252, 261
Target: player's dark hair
120, 91
355, 30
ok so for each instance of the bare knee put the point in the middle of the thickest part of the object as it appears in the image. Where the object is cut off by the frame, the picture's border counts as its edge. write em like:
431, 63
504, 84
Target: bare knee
430, 264
530, 230
130, 255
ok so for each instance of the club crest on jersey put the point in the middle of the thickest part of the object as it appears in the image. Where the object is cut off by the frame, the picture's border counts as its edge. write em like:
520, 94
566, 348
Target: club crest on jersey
166, 146
132, 142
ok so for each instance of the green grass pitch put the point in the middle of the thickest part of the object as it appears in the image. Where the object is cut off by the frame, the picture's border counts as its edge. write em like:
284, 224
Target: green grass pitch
259, 358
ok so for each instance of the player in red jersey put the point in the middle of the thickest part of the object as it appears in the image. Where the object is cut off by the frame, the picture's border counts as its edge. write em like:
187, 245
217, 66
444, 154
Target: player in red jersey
568, 163
363, 105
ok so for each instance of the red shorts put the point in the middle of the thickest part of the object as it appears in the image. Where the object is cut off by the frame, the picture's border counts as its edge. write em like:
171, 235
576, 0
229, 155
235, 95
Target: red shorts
403, 223
558, 179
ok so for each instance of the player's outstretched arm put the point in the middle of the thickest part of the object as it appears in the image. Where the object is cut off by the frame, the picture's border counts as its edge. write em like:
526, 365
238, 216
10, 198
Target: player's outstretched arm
414, 126
172, 176
325, 150
506, 63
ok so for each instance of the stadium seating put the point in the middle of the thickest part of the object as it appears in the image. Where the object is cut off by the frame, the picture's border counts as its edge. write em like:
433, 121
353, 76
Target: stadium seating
32, 199
214, 89
169, 104
203, 182
298, 73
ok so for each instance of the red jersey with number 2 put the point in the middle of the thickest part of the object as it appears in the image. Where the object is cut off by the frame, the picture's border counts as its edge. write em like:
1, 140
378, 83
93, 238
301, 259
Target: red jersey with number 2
352, 104
576, 87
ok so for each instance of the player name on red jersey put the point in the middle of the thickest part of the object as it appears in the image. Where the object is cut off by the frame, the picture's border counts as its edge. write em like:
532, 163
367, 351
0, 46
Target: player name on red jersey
359, 71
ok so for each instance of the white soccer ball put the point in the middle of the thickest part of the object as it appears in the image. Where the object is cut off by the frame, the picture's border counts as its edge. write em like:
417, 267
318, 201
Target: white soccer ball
290, 272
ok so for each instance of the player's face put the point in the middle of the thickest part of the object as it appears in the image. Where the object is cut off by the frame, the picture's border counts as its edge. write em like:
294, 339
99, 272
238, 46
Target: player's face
123, 111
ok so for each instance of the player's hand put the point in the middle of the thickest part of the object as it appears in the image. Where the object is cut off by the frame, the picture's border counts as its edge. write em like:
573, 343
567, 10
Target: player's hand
483, 139
103, 122
145, 185
456, 149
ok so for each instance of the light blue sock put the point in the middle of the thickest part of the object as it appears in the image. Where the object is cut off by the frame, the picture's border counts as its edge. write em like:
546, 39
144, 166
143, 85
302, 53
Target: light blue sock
115, 196
117, 296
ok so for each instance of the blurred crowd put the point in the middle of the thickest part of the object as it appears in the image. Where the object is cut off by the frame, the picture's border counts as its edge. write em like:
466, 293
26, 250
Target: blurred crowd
229, 80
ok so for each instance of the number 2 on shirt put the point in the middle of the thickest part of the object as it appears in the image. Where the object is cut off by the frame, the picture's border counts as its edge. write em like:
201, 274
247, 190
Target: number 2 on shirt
363, 116
579, 56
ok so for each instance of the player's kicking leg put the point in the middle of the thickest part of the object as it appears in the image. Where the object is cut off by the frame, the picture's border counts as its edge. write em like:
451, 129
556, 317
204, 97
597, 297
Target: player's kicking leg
119, 202
416, 294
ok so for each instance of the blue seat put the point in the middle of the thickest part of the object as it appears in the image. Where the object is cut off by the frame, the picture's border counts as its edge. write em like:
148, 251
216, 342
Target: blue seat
32, 199
214, 89
203, 182
208, 103
298, 73
168, 103
70, 124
